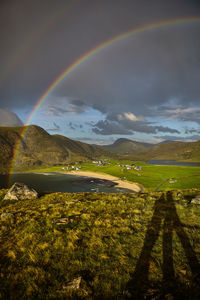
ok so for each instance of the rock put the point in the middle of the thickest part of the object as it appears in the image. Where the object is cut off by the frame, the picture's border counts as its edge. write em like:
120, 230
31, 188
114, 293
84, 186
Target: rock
20, 191
61, 221
7, 216
73, 285
195, 201
128, 294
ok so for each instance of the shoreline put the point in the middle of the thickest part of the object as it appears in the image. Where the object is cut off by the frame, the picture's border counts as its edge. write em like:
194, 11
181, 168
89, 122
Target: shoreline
119, 183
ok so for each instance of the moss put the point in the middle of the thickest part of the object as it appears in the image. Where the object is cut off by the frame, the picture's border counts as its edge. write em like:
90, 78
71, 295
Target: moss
107, 239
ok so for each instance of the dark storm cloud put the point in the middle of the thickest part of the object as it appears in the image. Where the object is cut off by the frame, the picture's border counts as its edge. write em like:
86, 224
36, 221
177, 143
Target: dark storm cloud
55, 110
152, 69
179, 112
44, 37
191, 131
40, 39
108, 128
137, 124
73, 106
77, 102
127, 127
77, 106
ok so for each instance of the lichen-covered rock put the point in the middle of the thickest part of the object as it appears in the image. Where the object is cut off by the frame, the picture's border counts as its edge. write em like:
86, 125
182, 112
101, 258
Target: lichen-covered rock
20, 191
195, 201
6, 216
73, 285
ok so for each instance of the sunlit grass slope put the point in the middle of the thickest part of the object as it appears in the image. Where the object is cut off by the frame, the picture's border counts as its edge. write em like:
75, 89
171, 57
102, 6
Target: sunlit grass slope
119, 244
178, 151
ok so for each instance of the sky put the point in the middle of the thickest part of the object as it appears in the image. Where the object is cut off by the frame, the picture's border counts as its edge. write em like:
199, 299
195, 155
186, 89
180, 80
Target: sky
143, 87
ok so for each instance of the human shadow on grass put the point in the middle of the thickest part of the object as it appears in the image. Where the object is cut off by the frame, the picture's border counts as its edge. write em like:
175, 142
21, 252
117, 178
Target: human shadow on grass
164, 209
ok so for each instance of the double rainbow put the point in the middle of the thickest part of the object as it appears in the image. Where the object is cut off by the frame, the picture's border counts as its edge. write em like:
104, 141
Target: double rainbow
85, 58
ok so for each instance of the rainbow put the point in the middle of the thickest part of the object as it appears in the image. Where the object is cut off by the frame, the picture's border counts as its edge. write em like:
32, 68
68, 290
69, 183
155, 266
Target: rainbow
77, 63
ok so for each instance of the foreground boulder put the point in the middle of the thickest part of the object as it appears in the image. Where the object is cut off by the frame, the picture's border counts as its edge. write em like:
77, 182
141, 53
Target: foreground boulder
195, 201
73, 285
6, 216
20, 191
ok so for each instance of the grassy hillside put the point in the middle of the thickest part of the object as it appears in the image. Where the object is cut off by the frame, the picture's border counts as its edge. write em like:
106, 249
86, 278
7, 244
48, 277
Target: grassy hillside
78, 149
179, 151
38, 148
119, 245
8, 139
126, 146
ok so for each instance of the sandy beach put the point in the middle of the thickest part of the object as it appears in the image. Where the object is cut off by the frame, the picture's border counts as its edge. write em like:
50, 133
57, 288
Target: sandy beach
120, 183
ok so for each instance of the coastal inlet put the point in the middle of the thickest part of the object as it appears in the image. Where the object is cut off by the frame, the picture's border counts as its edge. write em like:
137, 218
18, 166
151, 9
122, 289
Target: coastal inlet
55, 182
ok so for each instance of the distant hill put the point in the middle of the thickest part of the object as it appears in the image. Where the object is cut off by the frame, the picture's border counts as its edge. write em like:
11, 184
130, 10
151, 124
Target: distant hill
78, 149
40, 148
165, 142
9, 118
126, 146
179, 151
186, 151
166, 150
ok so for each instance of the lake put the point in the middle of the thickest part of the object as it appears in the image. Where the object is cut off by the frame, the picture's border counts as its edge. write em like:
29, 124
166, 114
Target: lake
55, 182
173, 163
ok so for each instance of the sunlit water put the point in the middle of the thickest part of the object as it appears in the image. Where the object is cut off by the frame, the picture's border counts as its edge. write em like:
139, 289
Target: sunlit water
173, 163
53, 182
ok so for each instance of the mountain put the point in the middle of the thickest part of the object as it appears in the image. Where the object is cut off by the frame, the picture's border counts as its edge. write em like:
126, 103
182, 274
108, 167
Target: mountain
185, 151
9, 118
78, 149
166, 150
179, 151
165, 142
126, 146
39, 148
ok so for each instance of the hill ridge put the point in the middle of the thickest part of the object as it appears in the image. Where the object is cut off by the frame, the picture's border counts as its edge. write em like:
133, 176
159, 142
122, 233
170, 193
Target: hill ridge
39, 148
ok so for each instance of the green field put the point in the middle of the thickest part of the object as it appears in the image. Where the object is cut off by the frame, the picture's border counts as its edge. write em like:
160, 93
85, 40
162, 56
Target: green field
120, 245
150, 177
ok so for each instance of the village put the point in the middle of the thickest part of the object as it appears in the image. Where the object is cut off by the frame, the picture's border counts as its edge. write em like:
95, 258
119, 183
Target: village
100, 163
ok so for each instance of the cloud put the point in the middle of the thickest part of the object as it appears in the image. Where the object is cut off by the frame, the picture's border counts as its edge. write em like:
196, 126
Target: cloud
134, 78
149, 70
131, 122
165, 129
64, 106
191, 138
55, 129
105, 127
191, 131
124, 126
55, 110
8, 118
179, 112
129, 116
71, 126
